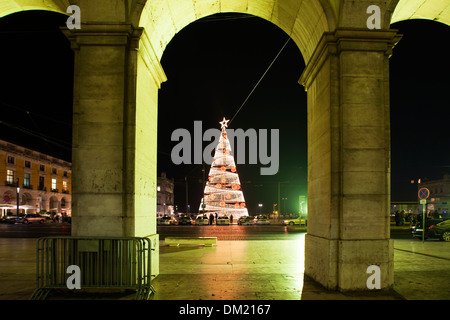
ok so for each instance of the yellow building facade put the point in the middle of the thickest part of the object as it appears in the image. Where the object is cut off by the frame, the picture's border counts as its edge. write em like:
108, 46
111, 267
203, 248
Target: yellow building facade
44, 181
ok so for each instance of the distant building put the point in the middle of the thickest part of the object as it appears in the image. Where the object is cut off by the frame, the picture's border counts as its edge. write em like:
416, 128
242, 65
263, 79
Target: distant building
165, 198
44, 181
406, 206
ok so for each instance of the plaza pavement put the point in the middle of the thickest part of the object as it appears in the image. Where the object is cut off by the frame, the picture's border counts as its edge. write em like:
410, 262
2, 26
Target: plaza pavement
247, 270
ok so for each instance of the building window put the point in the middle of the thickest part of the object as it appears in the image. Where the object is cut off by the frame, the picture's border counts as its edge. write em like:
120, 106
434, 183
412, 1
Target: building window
63, 203
41, 183
10, 177
27, 164
64, 186
65, 174
41, 167
54, 184
11, 160
26, 180
53, 170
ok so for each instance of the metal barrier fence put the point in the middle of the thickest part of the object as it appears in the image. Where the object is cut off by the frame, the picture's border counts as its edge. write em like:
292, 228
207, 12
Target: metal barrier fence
104, 263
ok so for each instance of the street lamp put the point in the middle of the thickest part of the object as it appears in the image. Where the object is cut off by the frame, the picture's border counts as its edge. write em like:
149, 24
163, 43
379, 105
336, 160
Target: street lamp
284, 204
17, 197
260, 207
279, 193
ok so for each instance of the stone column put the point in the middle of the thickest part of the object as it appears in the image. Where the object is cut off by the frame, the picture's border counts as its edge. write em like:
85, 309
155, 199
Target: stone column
114, 134
347, 83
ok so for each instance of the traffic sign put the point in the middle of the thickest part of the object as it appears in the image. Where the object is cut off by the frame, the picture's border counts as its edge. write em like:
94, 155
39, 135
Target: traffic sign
424, 193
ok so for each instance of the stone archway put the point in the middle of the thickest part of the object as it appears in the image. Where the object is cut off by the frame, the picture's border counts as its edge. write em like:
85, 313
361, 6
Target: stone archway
337, 66
41, 201
303, 21
26, 199
54, 204
117, 76
13, 6
399, 10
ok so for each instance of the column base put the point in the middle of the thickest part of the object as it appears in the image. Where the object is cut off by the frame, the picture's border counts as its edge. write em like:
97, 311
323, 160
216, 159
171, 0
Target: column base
342, 264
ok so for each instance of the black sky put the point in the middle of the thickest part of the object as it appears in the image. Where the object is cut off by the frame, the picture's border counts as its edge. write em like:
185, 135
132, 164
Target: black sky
212, 65
36, 91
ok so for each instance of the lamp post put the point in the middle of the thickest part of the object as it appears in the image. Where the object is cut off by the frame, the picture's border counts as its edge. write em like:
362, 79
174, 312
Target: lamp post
279, 193
284, 204
260, 207
17, 198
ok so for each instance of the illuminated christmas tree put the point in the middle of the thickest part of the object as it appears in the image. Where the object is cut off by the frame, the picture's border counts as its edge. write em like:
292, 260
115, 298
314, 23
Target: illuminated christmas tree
223, 193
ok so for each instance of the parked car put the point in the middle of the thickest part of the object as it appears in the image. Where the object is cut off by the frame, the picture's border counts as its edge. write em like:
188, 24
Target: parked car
201, 220
295, 221
440, 230
33, 218
166, 220
223, 220
245, 220
417, 229
11, 219
185, 220
261, 220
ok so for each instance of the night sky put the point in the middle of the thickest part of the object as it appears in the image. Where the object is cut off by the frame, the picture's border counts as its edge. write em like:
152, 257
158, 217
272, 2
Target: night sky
212, 65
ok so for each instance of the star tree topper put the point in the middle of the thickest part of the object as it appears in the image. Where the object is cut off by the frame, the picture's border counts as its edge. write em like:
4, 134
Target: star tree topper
224, 123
